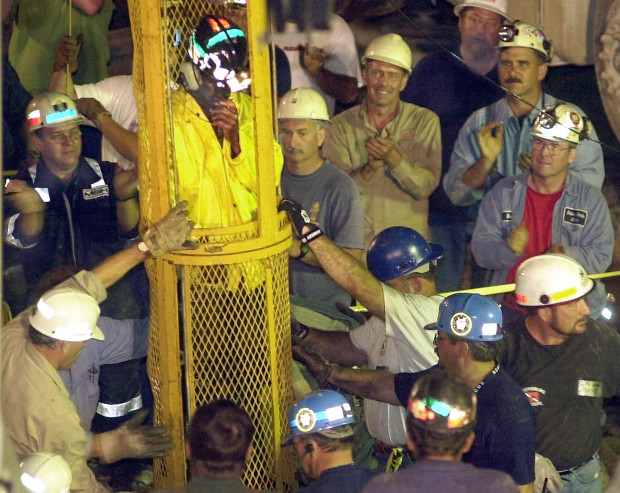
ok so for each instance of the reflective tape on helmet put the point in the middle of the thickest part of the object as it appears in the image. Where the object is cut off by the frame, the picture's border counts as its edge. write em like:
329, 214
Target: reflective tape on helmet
119, 410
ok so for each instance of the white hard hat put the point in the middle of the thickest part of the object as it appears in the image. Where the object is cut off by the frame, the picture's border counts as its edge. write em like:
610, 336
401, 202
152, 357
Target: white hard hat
524, 35
302, 103
549, 279
51, 109
561, 122
498, 6
389, 48
43, 472
67, 315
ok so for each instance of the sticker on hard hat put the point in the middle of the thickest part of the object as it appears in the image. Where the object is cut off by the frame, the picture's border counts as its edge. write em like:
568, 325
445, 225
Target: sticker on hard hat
305, 419
560, 295
489, 329
574, 117
461, 324
34, 118
64, 114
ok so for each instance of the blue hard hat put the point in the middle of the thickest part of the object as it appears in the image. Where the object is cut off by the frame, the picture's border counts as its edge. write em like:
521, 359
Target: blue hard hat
397, 251
323, 411
470, 316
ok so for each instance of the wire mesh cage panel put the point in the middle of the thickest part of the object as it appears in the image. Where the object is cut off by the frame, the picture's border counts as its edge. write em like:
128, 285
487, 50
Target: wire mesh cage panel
220, 314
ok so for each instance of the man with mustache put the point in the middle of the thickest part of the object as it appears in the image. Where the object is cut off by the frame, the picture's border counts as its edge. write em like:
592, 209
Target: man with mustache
328, 194
546, 209
391, 149
495, 141
448, 86
566, 363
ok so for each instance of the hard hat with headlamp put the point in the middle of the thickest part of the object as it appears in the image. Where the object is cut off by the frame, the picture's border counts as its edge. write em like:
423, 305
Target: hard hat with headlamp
524, 35
219, 49
549, 279
397, 251
325, 412
51, 109
442, 403
561, 123
44, 472
390, 48
67, 315
302, 103
471, 316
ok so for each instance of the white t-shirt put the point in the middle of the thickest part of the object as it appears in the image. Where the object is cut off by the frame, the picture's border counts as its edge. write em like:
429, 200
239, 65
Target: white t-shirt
339, 49
116, 96
398, 345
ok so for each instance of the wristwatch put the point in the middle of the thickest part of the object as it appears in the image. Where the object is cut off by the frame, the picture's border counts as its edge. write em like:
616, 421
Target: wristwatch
303, 250
143, 248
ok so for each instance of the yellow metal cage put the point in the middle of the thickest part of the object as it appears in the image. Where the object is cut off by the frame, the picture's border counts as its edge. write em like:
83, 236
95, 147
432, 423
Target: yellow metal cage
219, 314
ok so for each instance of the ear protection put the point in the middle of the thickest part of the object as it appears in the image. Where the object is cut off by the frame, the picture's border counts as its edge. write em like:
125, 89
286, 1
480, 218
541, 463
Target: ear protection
190, 76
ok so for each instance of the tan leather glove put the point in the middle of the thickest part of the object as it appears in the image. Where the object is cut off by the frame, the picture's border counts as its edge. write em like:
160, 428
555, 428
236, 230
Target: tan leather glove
170, 234
545, 470
133, 440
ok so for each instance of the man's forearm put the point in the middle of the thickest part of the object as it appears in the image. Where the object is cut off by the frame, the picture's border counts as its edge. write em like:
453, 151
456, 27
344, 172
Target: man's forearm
476, 176
113, 268
336, 347
30, 224
61, 81
123, 140
350, 274
342, 87
377, 385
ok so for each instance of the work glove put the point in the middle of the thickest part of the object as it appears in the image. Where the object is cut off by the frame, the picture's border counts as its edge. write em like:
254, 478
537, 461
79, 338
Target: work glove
170, 234
133, 440
299, 219
546, 476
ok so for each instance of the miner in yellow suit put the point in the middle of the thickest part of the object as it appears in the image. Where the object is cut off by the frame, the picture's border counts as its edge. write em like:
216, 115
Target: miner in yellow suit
213, 129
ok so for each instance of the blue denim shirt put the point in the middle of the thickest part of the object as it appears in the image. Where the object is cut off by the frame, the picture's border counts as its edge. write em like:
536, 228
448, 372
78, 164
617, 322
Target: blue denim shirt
588, 165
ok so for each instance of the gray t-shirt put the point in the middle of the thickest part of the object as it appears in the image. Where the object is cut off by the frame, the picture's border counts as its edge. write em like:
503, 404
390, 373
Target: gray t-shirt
333, 201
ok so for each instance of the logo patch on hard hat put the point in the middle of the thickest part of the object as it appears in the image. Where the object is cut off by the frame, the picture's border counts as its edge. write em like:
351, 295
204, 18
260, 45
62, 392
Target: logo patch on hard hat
306, 419
574, 117
461, 324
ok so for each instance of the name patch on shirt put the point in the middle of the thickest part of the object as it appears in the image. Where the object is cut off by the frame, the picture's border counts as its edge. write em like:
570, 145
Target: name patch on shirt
95, 193
589, 388
506, 215
575, 216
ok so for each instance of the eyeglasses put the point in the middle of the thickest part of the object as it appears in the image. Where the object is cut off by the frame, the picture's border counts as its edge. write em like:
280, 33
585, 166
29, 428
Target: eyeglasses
59, 137
437, 339
489, 24
554, 148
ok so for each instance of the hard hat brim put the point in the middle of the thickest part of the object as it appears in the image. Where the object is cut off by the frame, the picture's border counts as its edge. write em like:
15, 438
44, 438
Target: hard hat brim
457, 10
97, 334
